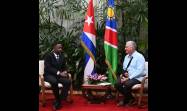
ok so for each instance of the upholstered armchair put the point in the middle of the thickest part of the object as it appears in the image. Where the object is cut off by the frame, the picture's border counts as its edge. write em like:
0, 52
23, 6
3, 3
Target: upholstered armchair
140, 90
47, 86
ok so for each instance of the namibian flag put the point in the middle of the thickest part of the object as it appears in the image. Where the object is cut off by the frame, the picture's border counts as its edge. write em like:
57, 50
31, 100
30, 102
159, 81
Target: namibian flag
111, 43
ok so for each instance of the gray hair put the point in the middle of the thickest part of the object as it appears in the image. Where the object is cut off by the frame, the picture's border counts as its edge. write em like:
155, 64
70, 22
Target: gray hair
132, 44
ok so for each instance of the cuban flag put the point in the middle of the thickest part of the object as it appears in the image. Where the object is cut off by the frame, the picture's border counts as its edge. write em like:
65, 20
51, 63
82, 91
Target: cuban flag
88, 42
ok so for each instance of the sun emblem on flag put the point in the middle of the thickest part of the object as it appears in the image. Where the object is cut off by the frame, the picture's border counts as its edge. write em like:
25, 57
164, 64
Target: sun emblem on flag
110, 13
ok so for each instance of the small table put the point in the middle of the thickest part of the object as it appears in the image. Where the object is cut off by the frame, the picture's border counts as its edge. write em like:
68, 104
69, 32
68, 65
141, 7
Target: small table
87, 92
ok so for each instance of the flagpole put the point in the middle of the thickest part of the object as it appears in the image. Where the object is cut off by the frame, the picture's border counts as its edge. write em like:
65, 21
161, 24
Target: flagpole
110, 67
88, 51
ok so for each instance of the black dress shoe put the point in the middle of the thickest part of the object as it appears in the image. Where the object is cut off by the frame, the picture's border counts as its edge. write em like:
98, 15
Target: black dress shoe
62, 97
57, 105
109, 96
89, 95
120, 103
132, 102
123, 102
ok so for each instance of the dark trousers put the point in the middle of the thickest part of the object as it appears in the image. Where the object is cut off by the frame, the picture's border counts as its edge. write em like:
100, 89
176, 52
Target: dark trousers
125, 88
54, 84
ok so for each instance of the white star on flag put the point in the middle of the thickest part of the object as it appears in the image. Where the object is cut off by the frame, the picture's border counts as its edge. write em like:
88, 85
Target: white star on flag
89, 20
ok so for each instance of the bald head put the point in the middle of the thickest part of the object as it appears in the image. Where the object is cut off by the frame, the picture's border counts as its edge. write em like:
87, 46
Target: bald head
131, 44
130, 47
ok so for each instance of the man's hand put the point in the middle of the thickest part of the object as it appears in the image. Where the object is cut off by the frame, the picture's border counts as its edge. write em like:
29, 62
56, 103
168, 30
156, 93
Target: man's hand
126, 74
121, 75
123, 79
64, 74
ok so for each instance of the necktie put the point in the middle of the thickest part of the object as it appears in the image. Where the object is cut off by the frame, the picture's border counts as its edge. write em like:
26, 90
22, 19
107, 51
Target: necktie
57, 58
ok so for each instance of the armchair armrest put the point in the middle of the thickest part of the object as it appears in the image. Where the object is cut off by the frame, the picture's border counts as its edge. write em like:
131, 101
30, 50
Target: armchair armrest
69, 98
143, 82
69, 76
41, 80
42, 84
142, 89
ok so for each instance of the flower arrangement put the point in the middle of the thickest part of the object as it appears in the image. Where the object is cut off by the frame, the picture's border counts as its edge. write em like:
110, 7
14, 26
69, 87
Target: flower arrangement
96, 78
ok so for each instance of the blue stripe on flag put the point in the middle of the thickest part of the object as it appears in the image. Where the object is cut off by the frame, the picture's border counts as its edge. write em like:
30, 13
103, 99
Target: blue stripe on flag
111, 23
111, 3
88, 43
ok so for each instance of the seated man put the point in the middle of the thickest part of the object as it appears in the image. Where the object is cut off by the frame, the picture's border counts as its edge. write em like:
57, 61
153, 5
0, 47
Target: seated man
133, 67
55, 72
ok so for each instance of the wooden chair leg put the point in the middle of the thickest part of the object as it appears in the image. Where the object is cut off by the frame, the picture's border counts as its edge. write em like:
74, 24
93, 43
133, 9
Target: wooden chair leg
43, 97
71, 91
117, 95
69, 98
140, 97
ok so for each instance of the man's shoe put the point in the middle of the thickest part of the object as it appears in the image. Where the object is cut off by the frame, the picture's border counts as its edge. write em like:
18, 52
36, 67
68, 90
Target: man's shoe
69, 100
132, 102
89, 96
56, 105
62, 97
121, 103
109, 96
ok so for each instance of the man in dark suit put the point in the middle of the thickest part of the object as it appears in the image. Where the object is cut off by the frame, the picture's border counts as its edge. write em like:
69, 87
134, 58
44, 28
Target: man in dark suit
55, 72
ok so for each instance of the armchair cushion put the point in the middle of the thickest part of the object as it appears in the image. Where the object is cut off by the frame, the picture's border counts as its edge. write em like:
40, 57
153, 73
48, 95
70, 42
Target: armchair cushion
48, 85
136, 87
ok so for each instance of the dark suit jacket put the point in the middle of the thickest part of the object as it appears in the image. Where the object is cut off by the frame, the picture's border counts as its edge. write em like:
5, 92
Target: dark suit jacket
51, 66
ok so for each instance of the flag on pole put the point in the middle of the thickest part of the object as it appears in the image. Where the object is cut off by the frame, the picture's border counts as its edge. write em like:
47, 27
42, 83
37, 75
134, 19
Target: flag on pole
111, 43
88, 42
